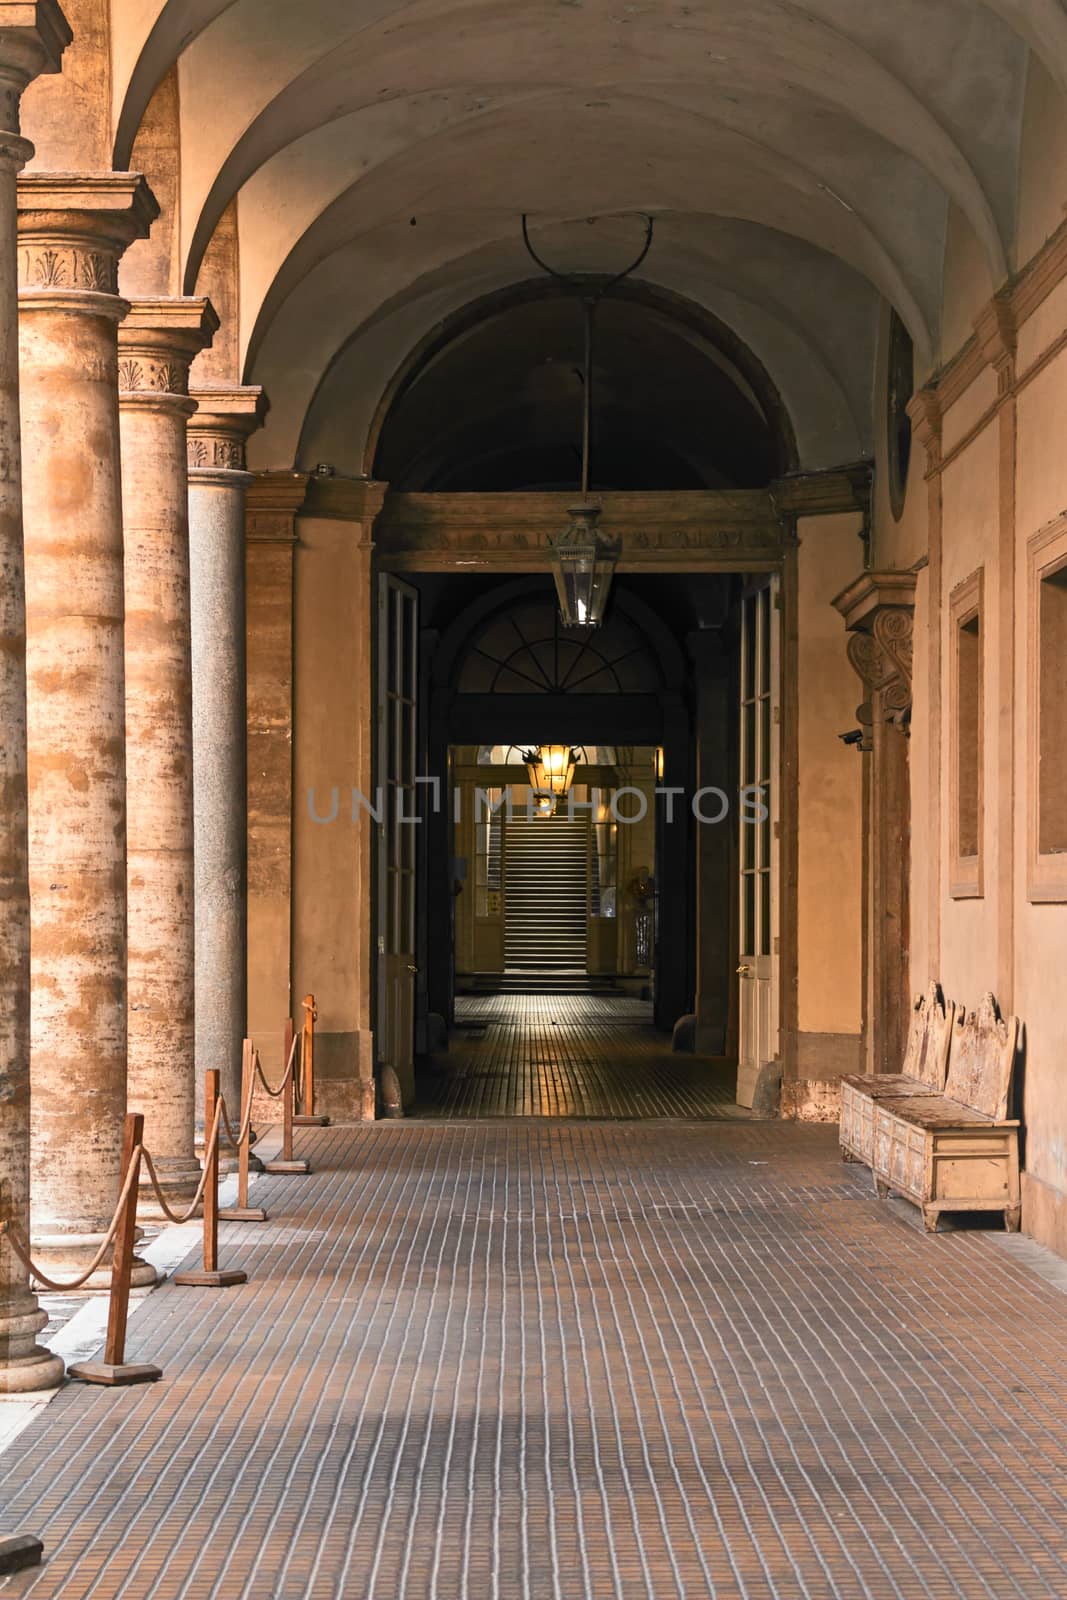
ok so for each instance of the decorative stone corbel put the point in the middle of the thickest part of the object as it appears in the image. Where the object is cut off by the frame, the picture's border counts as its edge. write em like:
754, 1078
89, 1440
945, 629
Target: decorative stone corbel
879, 613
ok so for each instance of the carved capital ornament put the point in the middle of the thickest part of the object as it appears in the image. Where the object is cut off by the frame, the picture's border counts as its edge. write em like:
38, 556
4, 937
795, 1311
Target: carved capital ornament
223, 422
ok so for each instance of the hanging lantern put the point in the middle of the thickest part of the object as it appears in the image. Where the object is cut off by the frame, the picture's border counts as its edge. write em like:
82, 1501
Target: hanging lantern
583, 563
551, 768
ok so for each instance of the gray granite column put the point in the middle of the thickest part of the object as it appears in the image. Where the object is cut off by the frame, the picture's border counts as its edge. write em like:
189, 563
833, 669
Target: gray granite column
25, 51
217, 480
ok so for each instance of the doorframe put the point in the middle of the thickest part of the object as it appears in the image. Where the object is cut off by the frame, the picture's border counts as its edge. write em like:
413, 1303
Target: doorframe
440, 547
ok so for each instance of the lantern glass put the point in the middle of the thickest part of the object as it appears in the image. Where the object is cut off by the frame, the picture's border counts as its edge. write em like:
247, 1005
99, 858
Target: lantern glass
551, 768
583, 564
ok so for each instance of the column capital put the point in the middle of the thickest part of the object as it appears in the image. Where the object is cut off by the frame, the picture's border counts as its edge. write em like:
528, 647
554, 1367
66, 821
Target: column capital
273, 501
33, 37
157, 342
995, 328
224, 420
72, 229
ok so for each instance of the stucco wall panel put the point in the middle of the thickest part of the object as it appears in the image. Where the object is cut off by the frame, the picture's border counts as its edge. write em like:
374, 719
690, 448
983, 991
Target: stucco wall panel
830, 851
970, 532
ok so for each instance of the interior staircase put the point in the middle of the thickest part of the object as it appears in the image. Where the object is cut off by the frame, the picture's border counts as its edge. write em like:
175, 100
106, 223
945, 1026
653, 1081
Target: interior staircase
545, 895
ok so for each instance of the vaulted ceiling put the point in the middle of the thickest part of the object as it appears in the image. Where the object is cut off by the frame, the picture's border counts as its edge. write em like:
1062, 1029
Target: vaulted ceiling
801, 162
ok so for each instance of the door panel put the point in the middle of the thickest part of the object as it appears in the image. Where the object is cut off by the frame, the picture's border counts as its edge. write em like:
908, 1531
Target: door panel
758, 854
397, 744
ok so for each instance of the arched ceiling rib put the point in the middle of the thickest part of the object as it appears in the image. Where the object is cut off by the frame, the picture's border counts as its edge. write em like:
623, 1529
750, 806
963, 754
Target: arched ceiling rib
825, 384
797, 157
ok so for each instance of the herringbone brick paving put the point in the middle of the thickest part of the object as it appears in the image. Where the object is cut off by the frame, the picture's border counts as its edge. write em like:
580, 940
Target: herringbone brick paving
558, 1359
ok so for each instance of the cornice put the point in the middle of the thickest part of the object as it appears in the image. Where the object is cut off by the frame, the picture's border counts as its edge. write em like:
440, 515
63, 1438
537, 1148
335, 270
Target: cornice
871, 593
836, 490
727, 529
345, 499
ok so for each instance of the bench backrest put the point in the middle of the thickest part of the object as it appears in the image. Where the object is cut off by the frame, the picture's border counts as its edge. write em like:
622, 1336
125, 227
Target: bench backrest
982, 1059
929, 1038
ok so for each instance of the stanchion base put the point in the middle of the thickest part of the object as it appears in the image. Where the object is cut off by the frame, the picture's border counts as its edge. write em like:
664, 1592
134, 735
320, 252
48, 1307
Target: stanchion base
211, 1280
18, 1551
287, 1166
306, 1120
243, 1214
115, 1375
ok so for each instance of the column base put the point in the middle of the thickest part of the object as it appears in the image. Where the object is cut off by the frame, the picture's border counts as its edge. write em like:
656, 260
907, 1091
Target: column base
25, 1366
202, 1278
178, 1178
115, 1375
307, 1120
296, 1166
28, 1374
66, 1255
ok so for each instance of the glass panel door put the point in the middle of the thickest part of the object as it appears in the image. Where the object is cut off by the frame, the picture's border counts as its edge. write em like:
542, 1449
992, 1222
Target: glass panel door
758, 854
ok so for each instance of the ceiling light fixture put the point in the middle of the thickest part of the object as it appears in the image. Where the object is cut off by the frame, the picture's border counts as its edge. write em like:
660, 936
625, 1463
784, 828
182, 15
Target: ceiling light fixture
583, 559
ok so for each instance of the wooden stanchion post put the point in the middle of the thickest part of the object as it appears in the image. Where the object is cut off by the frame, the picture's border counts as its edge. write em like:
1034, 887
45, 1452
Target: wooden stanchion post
209, 1276
307, 1117
114, 1370
242, 1211
287, 1162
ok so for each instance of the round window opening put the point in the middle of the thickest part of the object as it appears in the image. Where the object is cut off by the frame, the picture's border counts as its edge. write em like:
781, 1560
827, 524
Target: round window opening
901, 386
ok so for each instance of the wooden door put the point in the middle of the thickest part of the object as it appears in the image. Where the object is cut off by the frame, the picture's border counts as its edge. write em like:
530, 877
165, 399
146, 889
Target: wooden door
757, 970
396, 882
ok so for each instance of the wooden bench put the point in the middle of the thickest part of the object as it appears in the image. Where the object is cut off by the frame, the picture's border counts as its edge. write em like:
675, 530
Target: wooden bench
957, 1151
923, 1073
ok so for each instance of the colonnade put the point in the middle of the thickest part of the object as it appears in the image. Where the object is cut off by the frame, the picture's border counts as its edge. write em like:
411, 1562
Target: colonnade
122, 709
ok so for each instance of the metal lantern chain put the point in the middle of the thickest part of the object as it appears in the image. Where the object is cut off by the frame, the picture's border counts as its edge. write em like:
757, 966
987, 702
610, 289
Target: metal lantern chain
583, 561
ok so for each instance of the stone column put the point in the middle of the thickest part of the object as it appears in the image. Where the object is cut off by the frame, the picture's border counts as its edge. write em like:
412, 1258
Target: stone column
272, 502
157, 341
73, 228
879, 612
32, 41
217, 483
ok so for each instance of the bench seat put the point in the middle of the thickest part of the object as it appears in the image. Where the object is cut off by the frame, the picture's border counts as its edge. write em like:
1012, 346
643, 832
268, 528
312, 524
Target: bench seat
946, 1157
923, 1072
954, 1151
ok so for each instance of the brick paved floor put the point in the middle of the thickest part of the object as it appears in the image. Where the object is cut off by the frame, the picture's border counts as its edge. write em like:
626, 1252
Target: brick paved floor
569, 1056
520, 1359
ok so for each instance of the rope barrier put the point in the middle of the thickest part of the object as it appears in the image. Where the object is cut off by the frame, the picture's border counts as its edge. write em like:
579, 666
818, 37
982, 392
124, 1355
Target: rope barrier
22, 1250
287, 1162
122, 1231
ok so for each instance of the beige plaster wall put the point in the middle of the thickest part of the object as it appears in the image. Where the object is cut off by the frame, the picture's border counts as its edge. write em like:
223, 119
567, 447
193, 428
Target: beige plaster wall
1040, 930
967, 283
332, 717
968, 957
829, 837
